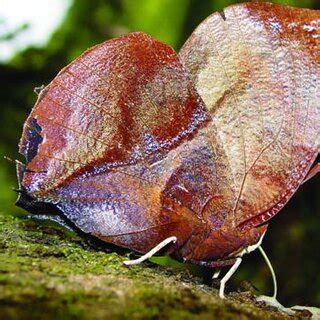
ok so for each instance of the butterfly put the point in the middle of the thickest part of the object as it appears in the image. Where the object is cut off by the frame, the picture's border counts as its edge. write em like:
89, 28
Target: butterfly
190, 153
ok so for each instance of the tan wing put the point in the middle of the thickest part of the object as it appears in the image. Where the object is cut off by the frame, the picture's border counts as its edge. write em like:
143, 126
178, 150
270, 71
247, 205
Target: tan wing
256, 66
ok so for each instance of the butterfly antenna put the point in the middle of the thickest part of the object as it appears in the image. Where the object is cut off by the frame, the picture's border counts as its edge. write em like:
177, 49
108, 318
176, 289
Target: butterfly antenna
13, 161
37, 90
9, 159
275, 286
18, 190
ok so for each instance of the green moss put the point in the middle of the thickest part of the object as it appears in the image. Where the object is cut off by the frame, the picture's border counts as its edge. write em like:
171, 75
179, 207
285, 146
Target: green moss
48, 273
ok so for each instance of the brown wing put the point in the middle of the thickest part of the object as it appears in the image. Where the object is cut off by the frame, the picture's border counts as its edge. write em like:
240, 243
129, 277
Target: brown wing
125, 206
121, 102
256, 66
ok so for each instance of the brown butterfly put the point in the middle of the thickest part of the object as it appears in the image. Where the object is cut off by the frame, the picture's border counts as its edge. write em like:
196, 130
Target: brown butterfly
195, 152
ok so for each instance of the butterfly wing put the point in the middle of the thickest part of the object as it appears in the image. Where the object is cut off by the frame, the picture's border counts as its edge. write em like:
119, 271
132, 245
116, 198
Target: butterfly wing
118, 103
125, 206
256, 66
132, 179
98, 130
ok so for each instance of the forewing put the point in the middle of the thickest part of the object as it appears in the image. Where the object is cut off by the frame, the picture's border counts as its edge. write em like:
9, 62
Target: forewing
256, 66
123, 101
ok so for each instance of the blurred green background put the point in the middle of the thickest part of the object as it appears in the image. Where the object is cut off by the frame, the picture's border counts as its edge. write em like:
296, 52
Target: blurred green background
293, 239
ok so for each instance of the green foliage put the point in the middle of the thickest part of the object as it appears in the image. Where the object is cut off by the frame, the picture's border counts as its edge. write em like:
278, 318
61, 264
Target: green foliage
165, 18
298, 3
12, 34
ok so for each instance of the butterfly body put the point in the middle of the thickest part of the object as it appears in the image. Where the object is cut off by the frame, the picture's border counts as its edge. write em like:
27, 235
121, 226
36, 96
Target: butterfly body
134, 144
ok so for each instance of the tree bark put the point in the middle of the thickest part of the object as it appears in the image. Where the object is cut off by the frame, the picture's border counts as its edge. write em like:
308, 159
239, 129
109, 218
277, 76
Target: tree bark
47, 273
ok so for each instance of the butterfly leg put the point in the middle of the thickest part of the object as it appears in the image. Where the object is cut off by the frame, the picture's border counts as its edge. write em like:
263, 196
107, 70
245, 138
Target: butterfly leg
228, 275
216, 273
236, 265
274, 278
152, 252
272, 300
